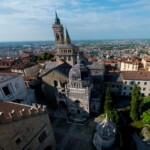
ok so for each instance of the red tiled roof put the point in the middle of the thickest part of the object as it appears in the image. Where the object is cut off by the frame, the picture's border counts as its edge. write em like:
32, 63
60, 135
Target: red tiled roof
136, 75
8, 107
110, 61
23, 66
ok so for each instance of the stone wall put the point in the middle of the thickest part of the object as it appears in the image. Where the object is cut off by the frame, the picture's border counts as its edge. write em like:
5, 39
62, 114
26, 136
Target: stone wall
49, 87
32, 132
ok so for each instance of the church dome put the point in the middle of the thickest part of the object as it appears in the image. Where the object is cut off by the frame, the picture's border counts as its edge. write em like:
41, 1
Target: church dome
78, 72
106, 129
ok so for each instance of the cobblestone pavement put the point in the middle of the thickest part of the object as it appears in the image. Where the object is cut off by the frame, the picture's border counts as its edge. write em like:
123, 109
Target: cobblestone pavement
73, 136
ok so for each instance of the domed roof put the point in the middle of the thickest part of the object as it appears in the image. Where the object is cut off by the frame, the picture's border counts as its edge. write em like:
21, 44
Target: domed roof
106, 128
78, 71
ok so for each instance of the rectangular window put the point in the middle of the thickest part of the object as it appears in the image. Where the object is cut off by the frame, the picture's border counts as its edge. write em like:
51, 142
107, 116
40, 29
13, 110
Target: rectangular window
124, 88
144, 89
138, 83
42, 137
94, 107
124, 93
18, 141
132, 83
142, 94
125, 82
145, 83
6, 90
130, 88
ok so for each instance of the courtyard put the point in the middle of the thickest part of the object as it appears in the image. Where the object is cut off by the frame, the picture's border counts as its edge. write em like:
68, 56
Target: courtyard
73, 136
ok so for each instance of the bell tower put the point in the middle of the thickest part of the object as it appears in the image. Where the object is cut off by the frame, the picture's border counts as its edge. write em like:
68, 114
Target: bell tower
58, 31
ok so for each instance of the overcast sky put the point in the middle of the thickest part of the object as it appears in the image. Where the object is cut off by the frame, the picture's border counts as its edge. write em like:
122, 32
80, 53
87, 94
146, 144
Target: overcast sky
31, 20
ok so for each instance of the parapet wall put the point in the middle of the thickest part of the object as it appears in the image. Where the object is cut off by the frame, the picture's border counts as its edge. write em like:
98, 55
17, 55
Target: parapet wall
27, 112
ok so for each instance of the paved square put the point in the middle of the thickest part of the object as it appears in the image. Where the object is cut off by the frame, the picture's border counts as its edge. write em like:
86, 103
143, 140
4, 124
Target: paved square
73, 136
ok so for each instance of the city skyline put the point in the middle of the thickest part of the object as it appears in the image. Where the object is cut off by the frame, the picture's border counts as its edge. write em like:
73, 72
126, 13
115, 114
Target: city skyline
85, 20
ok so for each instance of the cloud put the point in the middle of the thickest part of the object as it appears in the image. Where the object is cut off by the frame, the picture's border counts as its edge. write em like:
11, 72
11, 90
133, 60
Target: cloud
30, 20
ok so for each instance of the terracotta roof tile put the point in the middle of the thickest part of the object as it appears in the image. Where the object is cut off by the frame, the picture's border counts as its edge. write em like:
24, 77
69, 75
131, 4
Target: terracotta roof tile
136, 75
8, 107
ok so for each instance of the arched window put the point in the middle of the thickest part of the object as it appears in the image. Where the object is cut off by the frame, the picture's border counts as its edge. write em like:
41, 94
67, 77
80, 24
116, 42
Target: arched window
55, 83
78, 111
57, 36
69, 58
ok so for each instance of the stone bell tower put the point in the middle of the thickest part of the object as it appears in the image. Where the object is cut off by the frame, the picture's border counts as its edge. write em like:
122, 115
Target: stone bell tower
58, 31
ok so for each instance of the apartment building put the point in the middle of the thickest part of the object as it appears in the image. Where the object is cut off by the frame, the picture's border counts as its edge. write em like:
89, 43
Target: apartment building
140, 78
146, 63
129, 66
12, 87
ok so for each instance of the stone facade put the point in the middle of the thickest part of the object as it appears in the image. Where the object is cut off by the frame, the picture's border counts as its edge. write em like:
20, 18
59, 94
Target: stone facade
25, 127
65, 49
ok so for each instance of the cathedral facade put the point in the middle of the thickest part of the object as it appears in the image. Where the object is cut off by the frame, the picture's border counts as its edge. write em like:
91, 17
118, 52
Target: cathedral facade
71, 82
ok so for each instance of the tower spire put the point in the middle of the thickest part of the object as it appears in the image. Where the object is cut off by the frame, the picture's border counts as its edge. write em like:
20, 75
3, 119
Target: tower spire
57, 20
67, 37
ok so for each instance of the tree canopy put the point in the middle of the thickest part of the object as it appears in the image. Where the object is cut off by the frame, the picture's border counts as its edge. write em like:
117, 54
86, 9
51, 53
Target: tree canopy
45, 56
108, 101
136, 103
146, 116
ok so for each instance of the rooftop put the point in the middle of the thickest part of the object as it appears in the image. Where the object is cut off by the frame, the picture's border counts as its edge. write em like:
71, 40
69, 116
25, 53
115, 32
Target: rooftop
136, 75
113, 77
6, 76
8, 107
146, 58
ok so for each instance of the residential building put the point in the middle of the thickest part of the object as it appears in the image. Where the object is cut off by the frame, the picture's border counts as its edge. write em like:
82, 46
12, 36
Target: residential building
129, 66
27, 69
12, 87
146, 63
25, 127
140, 78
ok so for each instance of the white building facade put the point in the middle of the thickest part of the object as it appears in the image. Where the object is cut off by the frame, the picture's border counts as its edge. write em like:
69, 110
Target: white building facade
140, 78
129, 66
12, 87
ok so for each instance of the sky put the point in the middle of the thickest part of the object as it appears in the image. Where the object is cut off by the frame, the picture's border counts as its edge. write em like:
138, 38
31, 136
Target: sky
31, 20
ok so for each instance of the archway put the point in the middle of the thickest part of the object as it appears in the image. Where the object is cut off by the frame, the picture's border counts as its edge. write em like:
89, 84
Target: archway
77, 102
55, 83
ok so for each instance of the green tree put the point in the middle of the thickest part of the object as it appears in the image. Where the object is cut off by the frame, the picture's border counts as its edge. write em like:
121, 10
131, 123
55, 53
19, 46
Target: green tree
108, 101
114, 116
48, 56
136, 103
146, 116
42, 57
